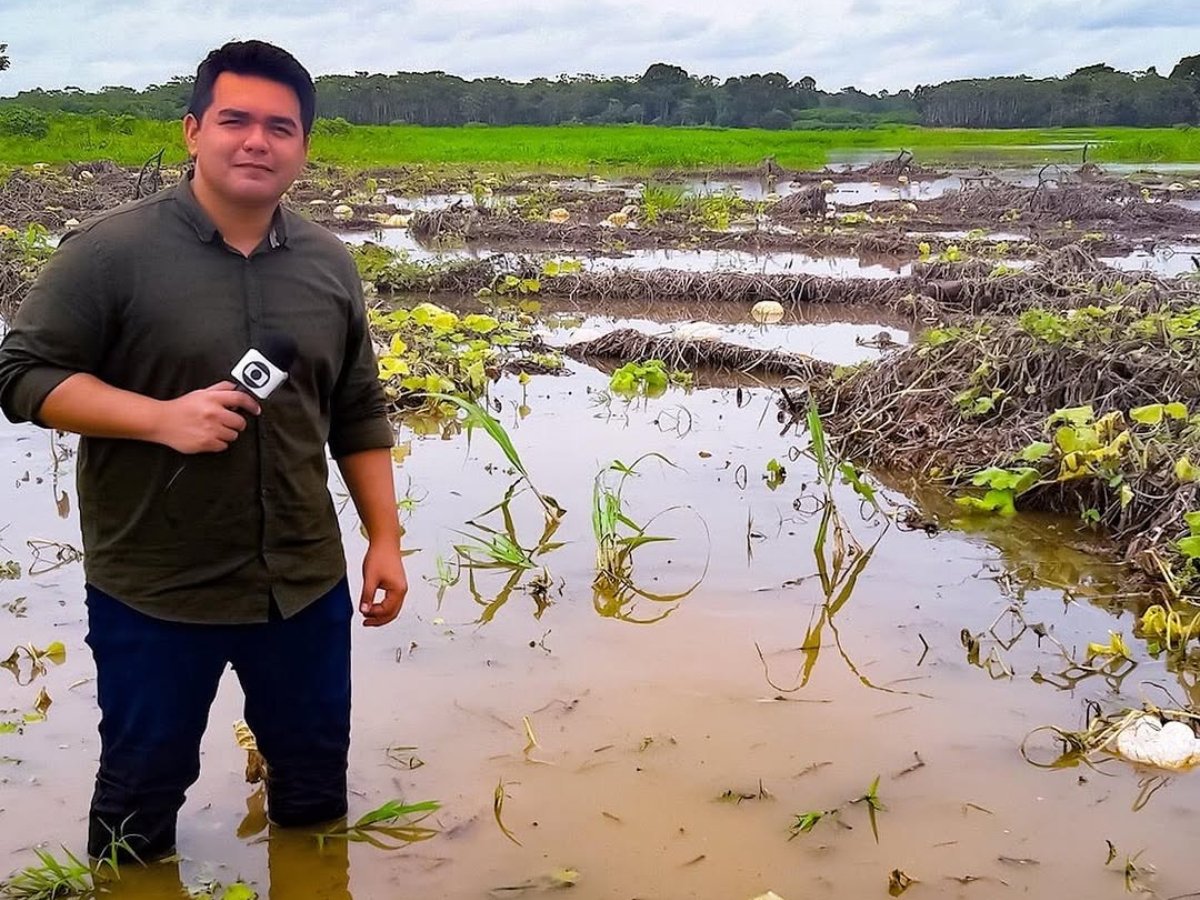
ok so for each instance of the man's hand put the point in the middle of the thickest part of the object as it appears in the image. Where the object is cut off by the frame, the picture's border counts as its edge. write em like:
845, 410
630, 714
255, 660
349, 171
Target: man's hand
205, 421
383, 570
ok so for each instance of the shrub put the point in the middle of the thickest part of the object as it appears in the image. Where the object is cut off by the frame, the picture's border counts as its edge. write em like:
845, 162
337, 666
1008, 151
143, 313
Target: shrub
776, 120
338, 126
22, 121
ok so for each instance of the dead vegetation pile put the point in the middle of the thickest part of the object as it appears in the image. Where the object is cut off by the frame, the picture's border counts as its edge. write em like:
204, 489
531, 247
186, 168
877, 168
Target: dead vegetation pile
51, 197
1105, 204
735, 287
15, 281
802, 205
1065, 279
502, 228
1069, 407
903, 164
629, 345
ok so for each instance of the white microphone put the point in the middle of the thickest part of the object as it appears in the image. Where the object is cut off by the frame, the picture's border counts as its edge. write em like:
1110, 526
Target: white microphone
260, 372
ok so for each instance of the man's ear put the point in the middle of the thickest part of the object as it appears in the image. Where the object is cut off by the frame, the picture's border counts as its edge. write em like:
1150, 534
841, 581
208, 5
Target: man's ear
191, 125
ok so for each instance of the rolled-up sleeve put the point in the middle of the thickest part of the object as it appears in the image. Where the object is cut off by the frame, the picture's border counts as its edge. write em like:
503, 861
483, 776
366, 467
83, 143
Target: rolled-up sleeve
60, 329
358, 412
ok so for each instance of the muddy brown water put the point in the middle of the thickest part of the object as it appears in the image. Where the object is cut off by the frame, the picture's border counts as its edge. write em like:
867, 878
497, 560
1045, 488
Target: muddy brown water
642, 727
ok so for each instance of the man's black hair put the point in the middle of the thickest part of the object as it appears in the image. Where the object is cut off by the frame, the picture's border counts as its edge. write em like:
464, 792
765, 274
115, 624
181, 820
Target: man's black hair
254, 58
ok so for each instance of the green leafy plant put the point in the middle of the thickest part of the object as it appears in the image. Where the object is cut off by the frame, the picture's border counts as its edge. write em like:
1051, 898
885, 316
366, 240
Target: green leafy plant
617, 535
647, 379
660, 198
806, 822
431, 350
717, 211
978, 401
1003, 487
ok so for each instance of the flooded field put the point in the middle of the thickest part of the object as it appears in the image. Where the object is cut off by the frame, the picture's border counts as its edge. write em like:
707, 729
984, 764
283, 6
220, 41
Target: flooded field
728, 725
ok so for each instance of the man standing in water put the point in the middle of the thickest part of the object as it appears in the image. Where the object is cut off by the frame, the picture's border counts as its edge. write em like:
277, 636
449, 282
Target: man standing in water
209, 534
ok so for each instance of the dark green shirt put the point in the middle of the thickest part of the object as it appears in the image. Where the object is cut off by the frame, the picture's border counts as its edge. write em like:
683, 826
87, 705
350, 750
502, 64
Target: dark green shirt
149, 298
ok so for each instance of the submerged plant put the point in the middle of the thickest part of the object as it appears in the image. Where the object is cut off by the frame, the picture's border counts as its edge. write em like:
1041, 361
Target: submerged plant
389, 827
478, 417
618, 537
500, 549
840, 558
805, 822
53, 877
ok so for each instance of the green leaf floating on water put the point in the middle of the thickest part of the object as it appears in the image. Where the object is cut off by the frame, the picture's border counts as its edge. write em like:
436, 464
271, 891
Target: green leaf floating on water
994, 501
1016, 480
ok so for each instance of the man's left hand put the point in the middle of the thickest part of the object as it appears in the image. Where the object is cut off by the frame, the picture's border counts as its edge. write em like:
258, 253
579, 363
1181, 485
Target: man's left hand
383, 570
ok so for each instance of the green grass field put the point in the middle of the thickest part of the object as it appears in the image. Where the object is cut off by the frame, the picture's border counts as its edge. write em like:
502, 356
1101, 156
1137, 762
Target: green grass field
622, 148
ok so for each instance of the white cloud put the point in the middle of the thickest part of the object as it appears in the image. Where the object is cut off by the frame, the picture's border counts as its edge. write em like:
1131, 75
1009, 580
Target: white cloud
872, 44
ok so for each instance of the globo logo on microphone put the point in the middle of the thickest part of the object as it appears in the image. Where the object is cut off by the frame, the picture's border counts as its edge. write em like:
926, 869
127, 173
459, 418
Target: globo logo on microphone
258, 375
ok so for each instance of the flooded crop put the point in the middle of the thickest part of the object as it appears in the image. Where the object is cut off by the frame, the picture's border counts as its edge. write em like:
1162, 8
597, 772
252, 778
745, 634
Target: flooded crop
854, 602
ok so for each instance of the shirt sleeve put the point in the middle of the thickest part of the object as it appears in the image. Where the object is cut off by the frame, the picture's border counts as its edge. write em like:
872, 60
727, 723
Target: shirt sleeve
60, 329
358, 414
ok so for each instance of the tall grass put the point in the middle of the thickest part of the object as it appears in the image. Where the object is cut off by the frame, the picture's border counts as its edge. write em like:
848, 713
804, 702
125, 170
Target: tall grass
614, 149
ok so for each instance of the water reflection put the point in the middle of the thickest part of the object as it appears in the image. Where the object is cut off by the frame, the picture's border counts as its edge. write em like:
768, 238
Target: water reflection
297, 869
1166, 261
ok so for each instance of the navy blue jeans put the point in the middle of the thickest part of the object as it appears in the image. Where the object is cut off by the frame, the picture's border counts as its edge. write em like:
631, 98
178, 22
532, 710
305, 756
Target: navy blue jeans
156, 681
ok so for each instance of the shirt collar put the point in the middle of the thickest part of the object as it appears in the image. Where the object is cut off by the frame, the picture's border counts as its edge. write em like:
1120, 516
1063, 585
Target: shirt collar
207, 231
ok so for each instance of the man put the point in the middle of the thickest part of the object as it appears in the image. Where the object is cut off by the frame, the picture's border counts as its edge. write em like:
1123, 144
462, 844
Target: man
209, 533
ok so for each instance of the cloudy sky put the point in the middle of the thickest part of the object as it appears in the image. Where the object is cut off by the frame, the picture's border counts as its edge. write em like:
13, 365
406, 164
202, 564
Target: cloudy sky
871, 44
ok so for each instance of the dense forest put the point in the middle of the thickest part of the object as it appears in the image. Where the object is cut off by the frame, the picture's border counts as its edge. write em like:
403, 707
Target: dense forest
668, 95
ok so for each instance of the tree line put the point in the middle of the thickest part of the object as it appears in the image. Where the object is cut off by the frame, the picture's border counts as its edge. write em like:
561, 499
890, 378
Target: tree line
666, 94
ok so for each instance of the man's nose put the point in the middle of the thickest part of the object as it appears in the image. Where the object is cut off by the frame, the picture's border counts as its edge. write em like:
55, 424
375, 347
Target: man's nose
255, 139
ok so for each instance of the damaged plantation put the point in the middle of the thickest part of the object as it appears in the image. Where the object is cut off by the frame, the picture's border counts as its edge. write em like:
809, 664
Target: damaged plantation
770, 534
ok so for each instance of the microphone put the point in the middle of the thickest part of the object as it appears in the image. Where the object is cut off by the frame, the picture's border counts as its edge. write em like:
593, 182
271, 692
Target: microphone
261, 371
258, 373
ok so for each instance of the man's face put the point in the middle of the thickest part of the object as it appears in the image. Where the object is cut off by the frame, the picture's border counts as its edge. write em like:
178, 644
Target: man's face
249, 145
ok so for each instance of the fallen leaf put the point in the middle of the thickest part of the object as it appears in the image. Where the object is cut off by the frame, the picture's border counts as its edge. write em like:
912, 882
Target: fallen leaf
42, 703
899, 882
